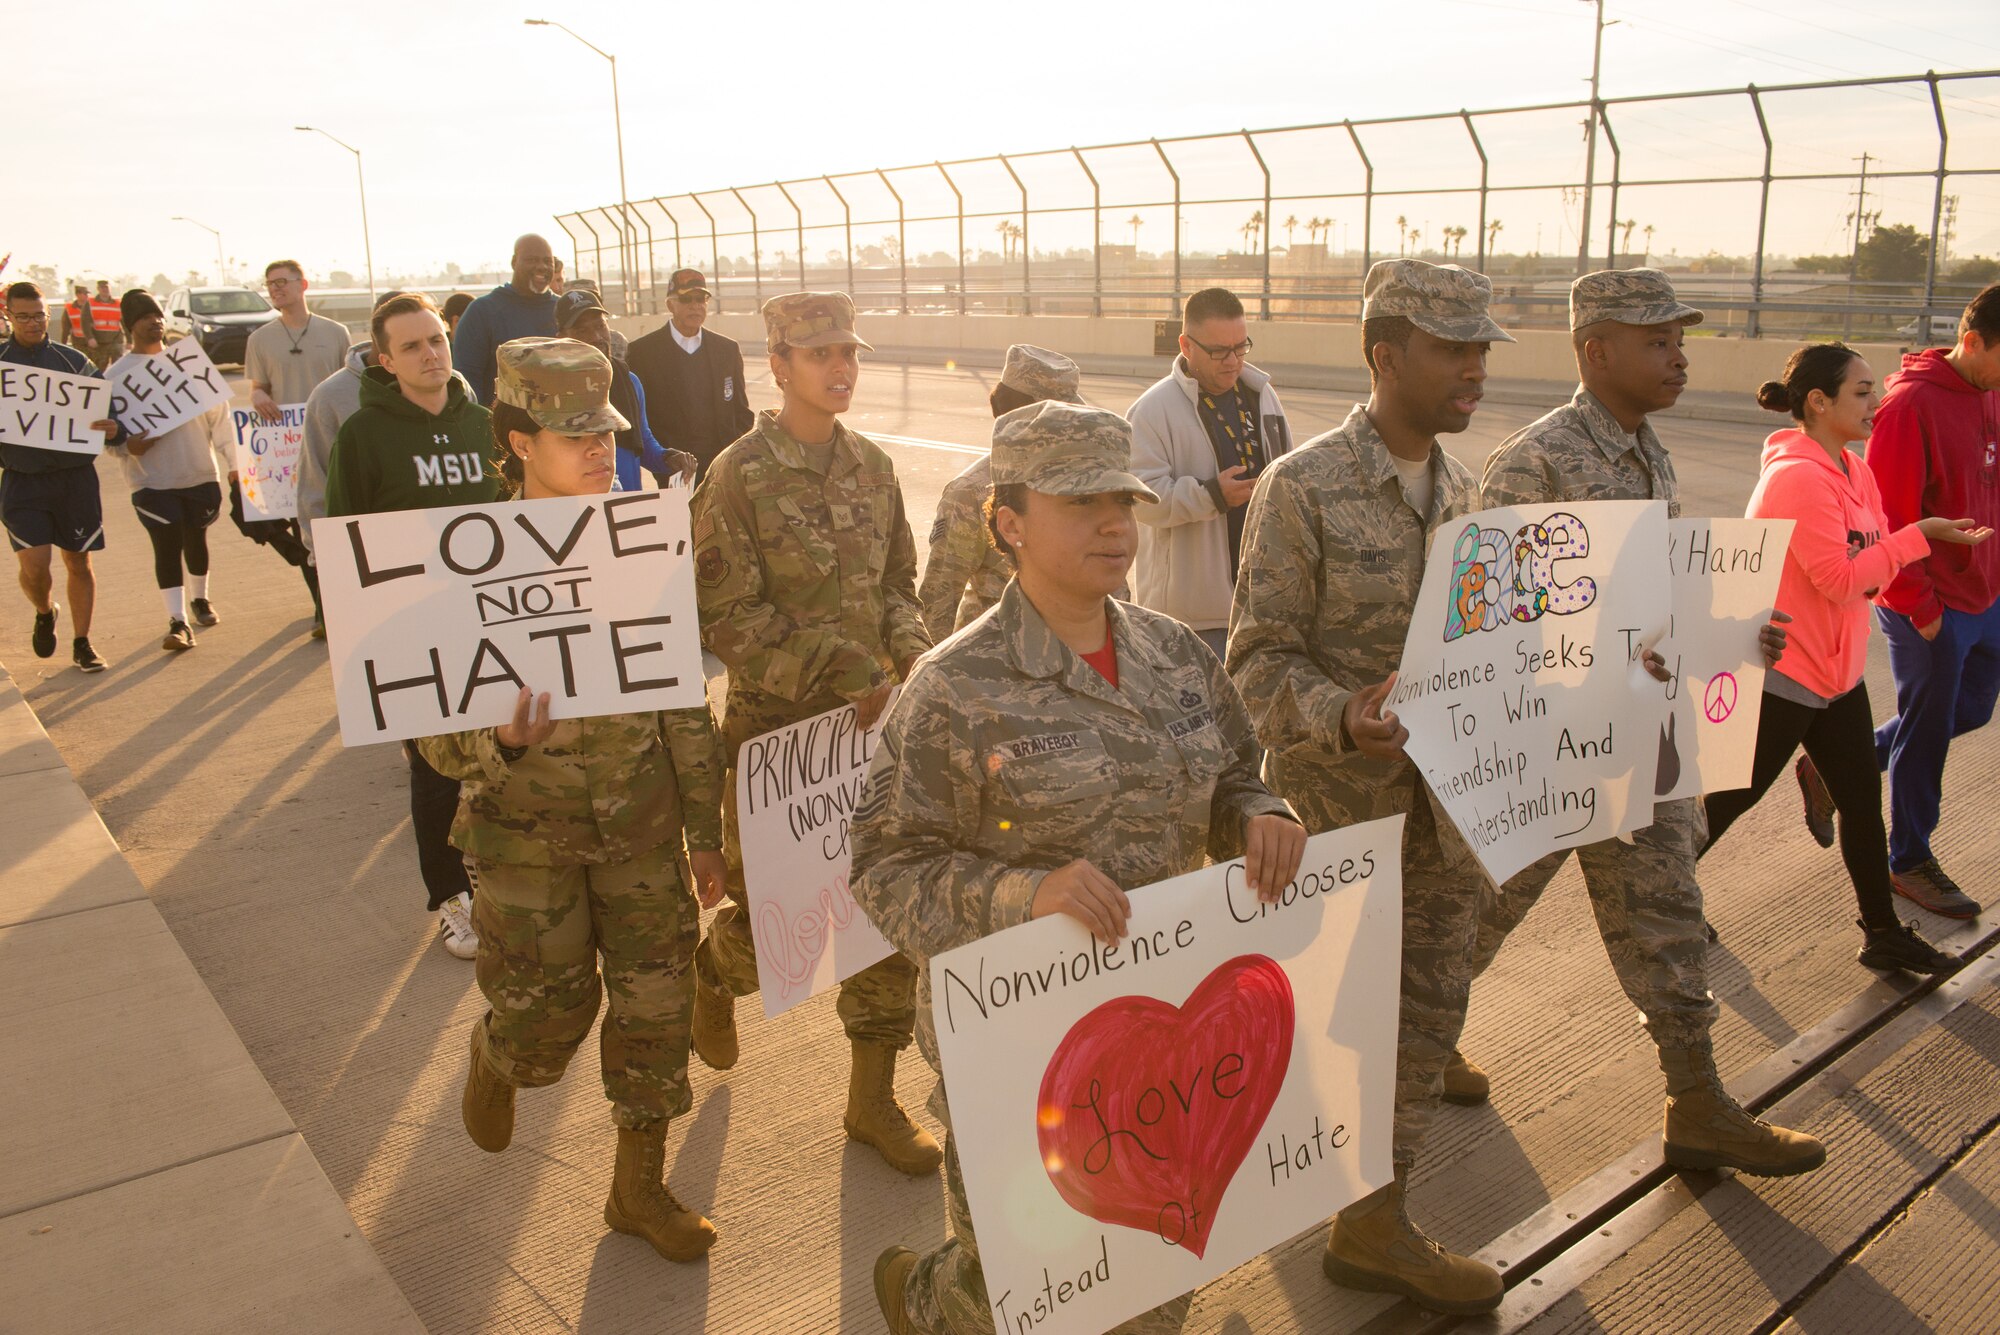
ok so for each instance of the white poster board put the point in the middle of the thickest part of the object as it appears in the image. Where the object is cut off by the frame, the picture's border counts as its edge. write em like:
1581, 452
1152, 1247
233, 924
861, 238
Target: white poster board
1529, 711
435, 619
1725, 583
52, 410
796, 790
1135, 1120
267, 461
152, 394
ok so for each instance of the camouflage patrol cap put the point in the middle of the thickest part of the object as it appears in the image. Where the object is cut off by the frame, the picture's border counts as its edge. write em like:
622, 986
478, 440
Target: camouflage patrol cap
1444, 300
1040, 374
1065, 449
811, 320
1629, 296
563, 384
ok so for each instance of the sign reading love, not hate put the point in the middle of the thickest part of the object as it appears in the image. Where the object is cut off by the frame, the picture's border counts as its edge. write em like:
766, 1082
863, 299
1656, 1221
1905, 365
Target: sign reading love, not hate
435, 619
267, 461
1135, 1120
153, 393
52, 410
796, 789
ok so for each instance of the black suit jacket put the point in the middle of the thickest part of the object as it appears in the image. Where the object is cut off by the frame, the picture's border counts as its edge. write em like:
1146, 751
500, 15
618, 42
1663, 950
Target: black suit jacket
720, 372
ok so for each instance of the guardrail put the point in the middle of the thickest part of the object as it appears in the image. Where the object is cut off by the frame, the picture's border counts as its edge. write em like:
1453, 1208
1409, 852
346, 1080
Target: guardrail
918, 238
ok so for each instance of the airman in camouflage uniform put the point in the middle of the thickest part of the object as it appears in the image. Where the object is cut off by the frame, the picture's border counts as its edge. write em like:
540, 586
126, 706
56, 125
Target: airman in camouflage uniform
964, 815
964, 575
1643, 892
1334, 547
805, 572
576, 844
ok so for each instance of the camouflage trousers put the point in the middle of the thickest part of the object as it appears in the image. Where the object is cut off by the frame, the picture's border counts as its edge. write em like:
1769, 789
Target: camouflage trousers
1442, 894
947, 1290
876, 1005
1648, 907
542, 931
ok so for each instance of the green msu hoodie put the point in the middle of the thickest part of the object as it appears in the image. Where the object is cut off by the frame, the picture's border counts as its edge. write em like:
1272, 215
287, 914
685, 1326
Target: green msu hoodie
392, 455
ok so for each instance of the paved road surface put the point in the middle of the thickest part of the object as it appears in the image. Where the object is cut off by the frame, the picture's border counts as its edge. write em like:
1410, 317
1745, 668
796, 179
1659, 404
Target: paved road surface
283, 864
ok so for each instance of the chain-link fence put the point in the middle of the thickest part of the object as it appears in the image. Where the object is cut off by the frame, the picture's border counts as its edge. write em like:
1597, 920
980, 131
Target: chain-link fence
1794, 210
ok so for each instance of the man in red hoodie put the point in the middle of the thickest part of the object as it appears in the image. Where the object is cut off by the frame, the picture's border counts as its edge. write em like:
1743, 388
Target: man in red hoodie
1933, 453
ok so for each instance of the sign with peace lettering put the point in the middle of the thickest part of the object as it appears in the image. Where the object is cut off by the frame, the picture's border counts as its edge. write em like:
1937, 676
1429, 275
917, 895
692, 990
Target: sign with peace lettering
1134, 1120
796, 789
435, 619
1529, 711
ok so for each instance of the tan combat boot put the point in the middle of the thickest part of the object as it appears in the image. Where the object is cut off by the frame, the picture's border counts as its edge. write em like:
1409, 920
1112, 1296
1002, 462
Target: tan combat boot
1374, 1247
641, 1205
1464, 1083
892, 1279
714, 1024
875, 1118
1707, 1129
488, 1105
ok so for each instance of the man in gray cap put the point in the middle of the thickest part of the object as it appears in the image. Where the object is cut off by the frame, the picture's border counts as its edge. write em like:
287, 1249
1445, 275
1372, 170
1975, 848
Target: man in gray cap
1201, 437
1627, 327
964, 574
1333, 557
696, 399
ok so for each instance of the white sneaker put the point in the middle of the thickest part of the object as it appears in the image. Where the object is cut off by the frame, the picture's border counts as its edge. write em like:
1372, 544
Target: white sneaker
455, 920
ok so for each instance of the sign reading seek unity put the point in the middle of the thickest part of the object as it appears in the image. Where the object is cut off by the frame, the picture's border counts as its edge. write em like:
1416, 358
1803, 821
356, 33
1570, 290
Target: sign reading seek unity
52, 410
1134, 1120
436, 619
153, 394
796, 790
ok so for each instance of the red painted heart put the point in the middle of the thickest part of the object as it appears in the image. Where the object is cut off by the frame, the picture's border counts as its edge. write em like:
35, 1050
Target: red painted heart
1147, 1110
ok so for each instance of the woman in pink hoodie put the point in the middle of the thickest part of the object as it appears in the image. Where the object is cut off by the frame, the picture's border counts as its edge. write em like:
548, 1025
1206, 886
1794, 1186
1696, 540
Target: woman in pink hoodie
1840, 555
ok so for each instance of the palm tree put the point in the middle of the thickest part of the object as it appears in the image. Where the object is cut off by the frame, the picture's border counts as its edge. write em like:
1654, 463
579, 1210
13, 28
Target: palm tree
1252, 225
1135, 222
1455, 240
1005, 227
1291, 221
1415, 237
1648, 229
1493, 230
1627, 226
1402, 234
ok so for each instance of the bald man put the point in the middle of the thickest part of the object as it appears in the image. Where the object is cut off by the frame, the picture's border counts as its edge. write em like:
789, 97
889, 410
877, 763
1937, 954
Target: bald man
521, 308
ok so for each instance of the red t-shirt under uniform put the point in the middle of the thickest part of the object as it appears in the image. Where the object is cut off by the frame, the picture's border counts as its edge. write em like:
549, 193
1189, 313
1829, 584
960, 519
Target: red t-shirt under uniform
1105, 660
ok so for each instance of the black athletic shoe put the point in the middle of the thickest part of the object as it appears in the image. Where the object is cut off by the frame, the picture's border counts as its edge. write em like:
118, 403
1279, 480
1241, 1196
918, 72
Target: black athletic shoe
1818, 802
44, 640
86, 658
179, 637
204, 612
1900, 947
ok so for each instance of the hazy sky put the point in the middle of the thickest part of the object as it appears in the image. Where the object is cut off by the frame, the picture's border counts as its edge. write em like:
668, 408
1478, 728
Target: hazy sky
476, 127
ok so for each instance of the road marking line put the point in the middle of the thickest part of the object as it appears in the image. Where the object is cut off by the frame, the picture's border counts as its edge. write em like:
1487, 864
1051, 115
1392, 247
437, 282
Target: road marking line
921, 443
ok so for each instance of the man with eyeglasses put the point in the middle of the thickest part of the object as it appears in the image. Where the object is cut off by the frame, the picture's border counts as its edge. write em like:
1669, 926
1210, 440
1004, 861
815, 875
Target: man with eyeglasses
1200, 439
693, 377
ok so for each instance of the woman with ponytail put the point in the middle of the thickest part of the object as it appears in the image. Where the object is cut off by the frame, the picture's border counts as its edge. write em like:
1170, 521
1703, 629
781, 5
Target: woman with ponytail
1841, 554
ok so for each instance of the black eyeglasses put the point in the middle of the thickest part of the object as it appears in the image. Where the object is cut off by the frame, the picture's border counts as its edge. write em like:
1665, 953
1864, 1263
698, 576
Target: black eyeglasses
1234, 352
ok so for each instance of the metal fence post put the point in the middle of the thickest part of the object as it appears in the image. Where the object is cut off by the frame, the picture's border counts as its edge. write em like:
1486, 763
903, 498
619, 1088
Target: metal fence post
1480, 149
676, 223
596, 245
1937, 205
1266, 213
1617, 164
847, 230
1027, 273
575, 246
1168, 163
1753, 325
714, 247
800, 218
756, 247
1096, 236
1367, 211
902, 241
960, 208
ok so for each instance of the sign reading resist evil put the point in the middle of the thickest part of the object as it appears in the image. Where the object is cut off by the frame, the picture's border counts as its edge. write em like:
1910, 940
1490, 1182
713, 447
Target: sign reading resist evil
52, 410
796, 789
1134, 1120
1521, 684
155, 394
1725, 583
435, 619
267, 461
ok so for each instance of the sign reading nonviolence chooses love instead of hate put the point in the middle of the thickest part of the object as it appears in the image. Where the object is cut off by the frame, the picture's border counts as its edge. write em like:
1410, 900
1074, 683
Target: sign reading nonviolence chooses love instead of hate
1134, 1120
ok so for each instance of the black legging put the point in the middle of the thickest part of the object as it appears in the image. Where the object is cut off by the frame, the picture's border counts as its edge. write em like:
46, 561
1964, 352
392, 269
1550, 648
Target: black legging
1840, 739
173, 544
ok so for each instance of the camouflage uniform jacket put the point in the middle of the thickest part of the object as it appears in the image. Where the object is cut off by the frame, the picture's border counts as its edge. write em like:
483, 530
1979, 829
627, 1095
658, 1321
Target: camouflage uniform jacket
1579, 453
598, 790
962, 553
1333, 558
807, 582
1007, 756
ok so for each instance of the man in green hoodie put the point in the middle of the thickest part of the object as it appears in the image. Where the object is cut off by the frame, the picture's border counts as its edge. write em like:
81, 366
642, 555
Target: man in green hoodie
418, 441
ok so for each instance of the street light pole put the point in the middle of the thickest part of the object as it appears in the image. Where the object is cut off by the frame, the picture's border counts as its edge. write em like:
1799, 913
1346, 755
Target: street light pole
626, 262
367, 246
221, 272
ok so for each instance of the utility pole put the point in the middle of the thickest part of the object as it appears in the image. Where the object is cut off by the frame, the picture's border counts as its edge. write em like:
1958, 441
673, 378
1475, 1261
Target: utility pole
1860, 218
1590, 139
